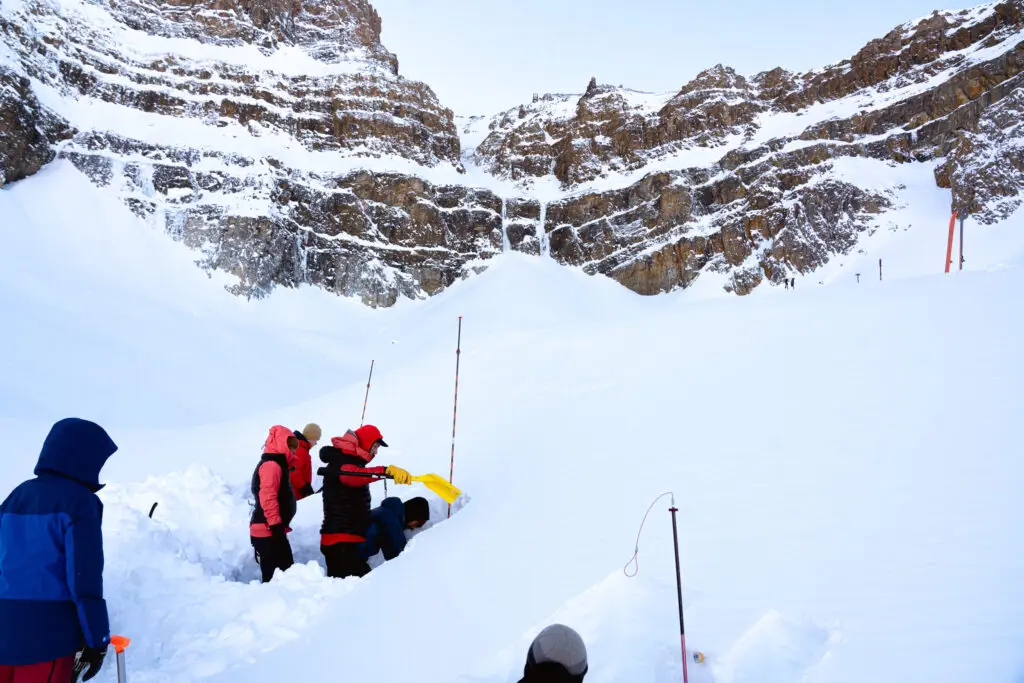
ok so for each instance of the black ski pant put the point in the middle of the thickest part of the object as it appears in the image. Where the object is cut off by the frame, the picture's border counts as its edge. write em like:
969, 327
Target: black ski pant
272, 554
343, 560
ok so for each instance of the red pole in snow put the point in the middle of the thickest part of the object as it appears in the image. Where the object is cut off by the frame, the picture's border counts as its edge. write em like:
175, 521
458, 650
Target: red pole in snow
949, 245
455, 409
679, 591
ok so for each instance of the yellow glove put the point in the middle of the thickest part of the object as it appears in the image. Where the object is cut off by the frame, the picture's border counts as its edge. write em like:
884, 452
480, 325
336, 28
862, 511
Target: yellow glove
400, 475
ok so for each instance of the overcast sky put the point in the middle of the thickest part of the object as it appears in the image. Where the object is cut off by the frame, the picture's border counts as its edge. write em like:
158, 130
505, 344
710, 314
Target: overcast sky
484, 56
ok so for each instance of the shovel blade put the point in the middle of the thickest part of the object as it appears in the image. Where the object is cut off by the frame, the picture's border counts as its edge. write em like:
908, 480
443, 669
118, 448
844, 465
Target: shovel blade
440, 486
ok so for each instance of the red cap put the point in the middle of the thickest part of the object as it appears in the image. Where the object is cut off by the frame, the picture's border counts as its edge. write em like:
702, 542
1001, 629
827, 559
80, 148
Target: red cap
369, 435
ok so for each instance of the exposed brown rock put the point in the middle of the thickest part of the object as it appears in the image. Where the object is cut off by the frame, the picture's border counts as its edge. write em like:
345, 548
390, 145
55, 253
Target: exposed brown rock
26, 130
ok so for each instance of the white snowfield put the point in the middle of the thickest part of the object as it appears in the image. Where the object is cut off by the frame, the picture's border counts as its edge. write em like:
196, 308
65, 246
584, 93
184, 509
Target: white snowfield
846, 458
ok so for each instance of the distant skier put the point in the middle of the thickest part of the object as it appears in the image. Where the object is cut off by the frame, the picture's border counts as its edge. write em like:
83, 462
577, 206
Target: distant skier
388, 523
51, 561
557, 655
347, 498
275, 503
302, 474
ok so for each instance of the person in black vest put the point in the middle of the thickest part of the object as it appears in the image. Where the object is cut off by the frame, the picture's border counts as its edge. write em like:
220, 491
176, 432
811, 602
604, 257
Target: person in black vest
347, 498
275, 503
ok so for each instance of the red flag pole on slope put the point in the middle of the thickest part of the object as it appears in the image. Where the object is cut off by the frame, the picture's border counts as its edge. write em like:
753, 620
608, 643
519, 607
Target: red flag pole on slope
949, 244
455, 409
697, 656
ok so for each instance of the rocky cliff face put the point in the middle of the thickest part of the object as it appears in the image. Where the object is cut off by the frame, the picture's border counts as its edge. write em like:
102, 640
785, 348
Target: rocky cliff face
277, 139
744, 177
247, 130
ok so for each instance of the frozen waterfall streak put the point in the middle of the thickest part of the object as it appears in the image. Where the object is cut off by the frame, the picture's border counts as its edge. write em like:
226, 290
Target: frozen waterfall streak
455, 409
506, 246
541, 235
679, 583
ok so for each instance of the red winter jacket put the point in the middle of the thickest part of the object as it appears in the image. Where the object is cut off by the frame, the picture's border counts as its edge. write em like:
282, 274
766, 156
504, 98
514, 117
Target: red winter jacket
269, 476
302, 474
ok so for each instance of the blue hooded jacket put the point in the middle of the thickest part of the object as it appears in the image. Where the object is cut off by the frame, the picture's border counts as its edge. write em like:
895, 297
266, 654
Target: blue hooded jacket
386, 531
51, 551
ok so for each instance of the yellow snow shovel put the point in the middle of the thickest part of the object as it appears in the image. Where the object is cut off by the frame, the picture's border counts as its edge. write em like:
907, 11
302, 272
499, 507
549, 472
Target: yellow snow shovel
434, 482
438, 485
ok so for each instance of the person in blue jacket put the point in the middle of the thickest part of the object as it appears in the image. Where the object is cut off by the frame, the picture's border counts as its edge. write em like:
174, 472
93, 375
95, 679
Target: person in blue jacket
388, 523
51, 561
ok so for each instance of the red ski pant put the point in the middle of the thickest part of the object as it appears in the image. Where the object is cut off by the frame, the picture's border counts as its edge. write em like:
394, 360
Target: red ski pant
57, 671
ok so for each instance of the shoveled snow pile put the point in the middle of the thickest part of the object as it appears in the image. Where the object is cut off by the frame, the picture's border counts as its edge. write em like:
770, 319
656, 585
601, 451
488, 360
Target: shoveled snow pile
846, 461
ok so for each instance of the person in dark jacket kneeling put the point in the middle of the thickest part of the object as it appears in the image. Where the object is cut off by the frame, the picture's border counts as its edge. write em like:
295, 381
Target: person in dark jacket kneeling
388, 523
275, 503
51, 561
556, 655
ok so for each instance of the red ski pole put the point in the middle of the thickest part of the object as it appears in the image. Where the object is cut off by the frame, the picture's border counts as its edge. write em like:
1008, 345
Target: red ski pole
455, 409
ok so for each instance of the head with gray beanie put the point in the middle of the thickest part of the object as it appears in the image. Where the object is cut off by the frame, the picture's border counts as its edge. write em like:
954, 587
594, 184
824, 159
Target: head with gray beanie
557, 655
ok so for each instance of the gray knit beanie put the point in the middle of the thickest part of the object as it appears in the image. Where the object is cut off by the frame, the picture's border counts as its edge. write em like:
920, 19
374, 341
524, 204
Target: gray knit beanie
557, 645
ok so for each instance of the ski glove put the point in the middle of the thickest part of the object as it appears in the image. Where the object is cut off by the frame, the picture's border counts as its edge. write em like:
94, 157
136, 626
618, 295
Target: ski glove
400, 476
306, 491
93, 658
277, 532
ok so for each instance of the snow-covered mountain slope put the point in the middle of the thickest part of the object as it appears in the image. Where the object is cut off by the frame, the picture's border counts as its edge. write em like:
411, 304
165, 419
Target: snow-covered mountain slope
846, 460
278, 141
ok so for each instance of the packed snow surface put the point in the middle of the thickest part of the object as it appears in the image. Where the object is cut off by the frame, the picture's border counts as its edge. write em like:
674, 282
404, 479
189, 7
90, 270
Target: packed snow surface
846, 459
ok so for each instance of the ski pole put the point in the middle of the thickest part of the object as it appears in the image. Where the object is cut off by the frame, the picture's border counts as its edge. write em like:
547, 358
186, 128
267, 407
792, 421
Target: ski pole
455, 409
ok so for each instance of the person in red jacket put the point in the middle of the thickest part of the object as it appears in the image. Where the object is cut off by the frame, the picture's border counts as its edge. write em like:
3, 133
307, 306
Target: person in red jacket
347, 498
302, 474
275, 502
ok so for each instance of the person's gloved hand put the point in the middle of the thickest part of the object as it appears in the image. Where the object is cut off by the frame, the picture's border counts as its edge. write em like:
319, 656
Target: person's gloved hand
400, 475
277, 532
307, 491
92, 658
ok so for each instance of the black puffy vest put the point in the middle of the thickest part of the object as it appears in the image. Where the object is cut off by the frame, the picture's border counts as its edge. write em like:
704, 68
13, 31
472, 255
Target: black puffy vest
285, 496
346, 508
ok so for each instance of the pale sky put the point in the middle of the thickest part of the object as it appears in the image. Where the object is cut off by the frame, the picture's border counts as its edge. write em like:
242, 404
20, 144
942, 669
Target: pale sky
484, 56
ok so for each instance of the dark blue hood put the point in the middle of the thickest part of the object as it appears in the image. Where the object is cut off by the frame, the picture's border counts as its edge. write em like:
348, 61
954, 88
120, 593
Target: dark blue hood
76, 449
396, 507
